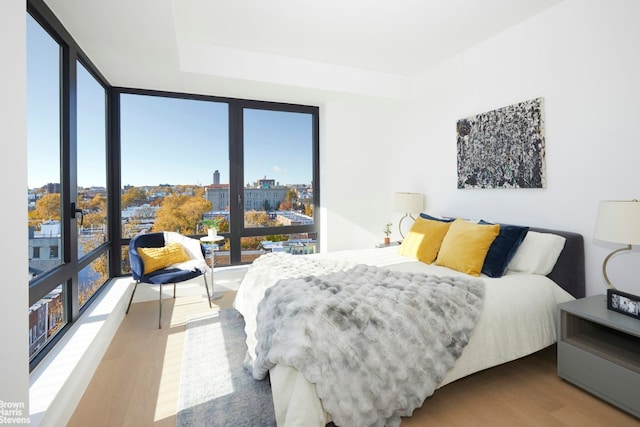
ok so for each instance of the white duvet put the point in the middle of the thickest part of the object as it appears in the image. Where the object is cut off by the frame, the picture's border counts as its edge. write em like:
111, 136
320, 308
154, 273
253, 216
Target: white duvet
518, 319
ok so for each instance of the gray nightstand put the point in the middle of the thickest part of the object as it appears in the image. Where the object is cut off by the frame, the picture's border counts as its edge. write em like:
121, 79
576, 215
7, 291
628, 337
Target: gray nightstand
599, 351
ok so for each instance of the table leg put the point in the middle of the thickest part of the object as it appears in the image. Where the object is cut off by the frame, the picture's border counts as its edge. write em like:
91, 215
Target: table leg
213, 261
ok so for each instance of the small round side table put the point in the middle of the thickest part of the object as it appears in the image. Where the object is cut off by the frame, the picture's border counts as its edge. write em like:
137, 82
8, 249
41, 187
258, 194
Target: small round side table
211, 240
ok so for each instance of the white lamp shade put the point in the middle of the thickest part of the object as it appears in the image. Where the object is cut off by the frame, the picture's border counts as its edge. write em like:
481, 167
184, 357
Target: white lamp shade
618, 221
408, 203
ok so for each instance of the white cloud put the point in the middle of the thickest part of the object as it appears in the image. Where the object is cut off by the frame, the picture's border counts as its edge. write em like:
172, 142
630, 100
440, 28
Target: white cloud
278, 169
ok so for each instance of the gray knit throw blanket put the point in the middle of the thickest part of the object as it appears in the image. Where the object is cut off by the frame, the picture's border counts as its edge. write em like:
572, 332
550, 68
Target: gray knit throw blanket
375, 342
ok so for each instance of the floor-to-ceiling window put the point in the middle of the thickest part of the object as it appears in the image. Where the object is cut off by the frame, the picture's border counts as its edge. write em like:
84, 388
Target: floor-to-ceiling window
67, 225
43, 68
191, 162
91, 166
45, 228
107, 163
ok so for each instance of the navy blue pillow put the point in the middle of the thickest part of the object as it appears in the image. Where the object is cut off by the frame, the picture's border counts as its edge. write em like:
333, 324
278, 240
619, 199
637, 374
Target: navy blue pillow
433, 218
503, 249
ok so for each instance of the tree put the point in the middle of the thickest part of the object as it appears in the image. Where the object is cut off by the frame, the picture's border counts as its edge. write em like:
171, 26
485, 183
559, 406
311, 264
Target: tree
289, 200
134, 196
249, 243
223, 225
94, 219
157, 201
99, 265
47, 207
308, 210
98, 203
181, 213
257, 219
285, 206
95, 211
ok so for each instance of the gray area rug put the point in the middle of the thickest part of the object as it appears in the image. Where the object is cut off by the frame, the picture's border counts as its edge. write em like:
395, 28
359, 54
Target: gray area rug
215, 389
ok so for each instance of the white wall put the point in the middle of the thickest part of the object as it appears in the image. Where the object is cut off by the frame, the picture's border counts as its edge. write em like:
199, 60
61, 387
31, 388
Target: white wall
356, 175
14, 367
582, 58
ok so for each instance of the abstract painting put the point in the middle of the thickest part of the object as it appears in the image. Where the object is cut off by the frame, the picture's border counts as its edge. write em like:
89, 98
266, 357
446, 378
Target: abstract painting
503, 148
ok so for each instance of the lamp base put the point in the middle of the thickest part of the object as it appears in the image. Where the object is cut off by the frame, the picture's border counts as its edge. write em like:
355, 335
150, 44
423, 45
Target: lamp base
604, 265
400, 223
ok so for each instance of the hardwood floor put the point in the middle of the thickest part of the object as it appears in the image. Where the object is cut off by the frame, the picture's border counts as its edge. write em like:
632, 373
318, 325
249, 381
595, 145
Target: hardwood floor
138, 380
526, 392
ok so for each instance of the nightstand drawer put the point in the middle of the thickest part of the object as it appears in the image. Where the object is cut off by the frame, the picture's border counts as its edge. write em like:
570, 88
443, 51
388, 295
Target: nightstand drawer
605, 379
599, 351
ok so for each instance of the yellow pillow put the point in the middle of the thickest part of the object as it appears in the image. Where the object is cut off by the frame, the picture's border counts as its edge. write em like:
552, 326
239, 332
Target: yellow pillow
465, 246
423, 240
158, 258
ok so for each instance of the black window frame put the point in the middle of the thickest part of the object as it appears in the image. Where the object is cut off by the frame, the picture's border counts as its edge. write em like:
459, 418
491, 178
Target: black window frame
66, 274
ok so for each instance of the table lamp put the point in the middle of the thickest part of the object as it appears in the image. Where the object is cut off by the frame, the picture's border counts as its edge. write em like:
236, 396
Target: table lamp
618, 221
409, 204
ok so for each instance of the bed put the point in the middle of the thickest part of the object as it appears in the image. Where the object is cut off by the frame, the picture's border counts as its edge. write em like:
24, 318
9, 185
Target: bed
516, 317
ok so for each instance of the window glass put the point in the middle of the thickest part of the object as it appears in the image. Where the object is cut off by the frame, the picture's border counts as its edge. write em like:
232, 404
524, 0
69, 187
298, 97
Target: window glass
175, 154
46, 317
91, 278
278, 168
43, 145
92, 162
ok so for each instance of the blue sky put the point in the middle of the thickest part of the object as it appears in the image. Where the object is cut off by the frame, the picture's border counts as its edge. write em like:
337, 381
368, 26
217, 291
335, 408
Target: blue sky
164, 140
42, 107
184, 141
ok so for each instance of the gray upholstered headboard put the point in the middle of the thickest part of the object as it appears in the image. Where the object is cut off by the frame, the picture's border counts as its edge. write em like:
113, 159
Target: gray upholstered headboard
569, 271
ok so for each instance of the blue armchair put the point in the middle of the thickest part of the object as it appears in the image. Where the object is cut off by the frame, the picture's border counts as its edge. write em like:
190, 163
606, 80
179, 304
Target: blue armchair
193, 267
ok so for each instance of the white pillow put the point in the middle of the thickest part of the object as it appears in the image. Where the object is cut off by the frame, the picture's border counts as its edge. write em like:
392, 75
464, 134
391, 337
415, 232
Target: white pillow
538, 253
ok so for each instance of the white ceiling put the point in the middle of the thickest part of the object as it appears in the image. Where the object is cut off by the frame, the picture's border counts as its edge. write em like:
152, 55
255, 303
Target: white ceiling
341, 45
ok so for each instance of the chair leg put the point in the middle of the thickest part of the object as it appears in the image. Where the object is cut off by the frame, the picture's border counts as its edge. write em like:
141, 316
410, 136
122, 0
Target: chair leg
174, 290
207, 288
160, 313
132, 294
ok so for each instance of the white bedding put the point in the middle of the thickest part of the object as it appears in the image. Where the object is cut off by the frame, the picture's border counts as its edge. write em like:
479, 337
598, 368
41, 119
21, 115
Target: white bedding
518, 319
